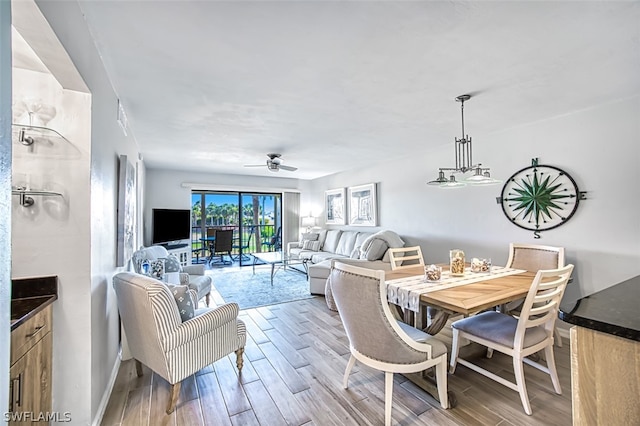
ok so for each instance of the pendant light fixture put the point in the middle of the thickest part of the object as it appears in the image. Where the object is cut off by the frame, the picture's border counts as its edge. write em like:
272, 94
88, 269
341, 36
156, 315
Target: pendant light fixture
464, 162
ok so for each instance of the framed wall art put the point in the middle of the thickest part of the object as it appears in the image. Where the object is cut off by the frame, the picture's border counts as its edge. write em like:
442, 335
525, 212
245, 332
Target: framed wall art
363, 205
126, 210
334, 203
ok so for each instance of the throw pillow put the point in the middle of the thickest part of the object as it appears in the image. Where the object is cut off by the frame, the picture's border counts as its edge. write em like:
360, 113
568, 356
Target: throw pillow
311, 245
375, 250
172, 264
156, 268
184, 301
308, 236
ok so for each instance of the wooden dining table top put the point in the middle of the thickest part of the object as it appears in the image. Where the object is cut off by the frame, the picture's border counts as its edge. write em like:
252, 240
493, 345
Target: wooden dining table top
470, 298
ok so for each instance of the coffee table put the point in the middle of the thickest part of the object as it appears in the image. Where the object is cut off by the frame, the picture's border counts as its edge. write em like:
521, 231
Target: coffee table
279, 259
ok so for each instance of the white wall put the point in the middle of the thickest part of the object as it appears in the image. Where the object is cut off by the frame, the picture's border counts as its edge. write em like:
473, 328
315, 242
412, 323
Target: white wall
5, 195
598, 147
52, 236
81, 247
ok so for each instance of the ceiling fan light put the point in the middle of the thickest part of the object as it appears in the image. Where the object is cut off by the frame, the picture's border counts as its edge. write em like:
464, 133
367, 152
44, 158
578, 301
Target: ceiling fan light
440, 180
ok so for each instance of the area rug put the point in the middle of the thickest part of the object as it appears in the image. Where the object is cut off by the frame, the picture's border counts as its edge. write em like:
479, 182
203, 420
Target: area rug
240, 285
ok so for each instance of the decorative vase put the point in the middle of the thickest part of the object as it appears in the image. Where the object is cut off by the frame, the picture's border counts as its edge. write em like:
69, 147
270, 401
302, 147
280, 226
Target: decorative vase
456, 262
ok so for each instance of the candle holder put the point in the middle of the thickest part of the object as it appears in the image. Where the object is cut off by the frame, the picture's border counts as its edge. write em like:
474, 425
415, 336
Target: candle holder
456, 262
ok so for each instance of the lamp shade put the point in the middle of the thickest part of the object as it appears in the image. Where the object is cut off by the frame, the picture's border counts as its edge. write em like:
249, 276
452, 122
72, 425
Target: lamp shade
308, 221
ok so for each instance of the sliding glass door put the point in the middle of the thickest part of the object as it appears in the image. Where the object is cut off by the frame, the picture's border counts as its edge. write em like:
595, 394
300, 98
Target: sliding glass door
255, 218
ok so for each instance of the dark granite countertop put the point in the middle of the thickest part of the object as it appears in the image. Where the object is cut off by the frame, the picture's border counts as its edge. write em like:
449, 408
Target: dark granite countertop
30, 296
614, 310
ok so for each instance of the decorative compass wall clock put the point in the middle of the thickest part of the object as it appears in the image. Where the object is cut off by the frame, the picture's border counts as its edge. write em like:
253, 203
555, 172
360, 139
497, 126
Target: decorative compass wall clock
540, 198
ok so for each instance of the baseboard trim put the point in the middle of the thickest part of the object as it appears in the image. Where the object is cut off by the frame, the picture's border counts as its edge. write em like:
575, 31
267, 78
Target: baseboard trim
107, 393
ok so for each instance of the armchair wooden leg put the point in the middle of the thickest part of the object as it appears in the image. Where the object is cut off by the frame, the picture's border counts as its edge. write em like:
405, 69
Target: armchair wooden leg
207, 297
173, 397
138, 368
239, 360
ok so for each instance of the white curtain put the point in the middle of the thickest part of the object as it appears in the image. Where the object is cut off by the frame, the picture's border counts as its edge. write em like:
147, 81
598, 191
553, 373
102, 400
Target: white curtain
290, 217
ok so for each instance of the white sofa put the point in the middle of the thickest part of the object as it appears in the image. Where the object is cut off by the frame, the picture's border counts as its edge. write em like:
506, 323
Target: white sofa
365, 249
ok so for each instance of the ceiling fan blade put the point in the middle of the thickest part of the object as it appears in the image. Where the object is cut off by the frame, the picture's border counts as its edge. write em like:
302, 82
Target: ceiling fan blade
254, 165
288, 168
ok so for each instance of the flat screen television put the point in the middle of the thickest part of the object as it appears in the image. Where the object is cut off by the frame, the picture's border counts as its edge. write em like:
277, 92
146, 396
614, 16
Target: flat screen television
170, 225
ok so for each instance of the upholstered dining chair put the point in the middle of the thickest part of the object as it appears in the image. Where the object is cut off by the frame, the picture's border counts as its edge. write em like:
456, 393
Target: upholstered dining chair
376, 338
532, 257
159, 339
405, 257
518, 337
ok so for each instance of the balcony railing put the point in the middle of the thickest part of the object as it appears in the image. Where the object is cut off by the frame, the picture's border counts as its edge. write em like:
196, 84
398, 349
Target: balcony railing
262, 236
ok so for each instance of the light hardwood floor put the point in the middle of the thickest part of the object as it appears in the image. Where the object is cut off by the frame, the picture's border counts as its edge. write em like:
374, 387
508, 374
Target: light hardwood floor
295, 357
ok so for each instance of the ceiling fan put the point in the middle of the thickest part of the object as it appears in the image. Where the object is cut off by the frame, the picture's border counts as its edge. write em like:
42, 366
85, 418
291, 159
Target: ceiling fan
274, 164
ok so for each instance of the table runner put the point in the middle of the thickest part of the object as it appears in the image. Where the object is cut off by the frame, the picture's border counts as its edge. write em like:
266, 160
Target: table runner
406, 292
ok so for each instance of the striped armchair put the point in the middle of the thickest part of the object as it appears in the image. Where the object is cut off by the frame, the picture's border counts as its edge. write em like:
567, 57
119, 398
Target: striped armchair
171, 348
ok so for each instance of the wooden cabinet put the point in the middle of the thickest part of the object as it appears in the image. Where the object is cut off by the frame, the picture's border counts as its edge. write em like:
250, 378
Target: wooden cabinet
605, 378
30, 372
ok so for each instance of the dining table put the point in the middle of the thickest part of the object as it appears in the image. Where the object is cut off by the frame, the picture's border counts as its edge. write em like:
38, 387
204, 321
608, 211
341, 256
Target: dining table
471, 293
466, 295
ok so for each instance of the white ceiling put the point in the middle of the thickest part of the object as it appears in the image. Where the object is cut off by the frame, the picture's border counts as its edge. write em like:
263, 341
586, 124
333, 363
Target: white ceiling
210, 86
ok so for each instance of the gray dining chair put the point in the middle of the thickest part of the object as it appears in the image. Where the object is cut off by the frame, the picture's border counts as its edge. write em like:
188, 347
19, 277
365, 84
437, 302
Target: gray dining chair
533, 257
518, 337
376, 338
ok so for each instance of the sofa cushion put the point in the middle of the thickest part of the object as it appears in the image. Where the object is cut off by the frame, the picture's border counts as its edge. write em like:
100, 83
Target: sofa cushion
374, 250
346, 243
321, 256
331, 240
361, 237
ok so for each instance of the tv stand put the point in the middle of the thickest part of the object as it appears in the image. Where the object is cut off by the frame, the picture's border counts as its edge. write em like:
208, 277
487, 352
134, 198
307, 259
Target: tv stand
175, 246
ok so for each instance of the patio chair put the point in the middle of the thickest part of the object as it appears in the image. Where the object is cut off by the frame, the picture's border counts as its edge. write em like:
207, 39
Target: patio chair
223, 244
376, 338
275, 242
520, 337
159, 339
243, 248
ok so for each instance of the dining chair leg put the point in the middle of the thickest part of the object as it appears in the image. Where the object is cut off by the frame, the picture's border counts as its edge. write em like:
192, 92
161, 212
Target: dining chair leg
388, 397
558, 337
553, 372
518, 369
489, 352
441, 381
454, 350
347, 371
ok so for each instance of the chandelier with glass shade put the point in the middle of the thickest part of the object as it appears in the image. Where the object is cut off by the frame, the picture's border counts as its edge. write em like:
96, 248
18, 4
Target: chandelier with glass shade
464, 162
